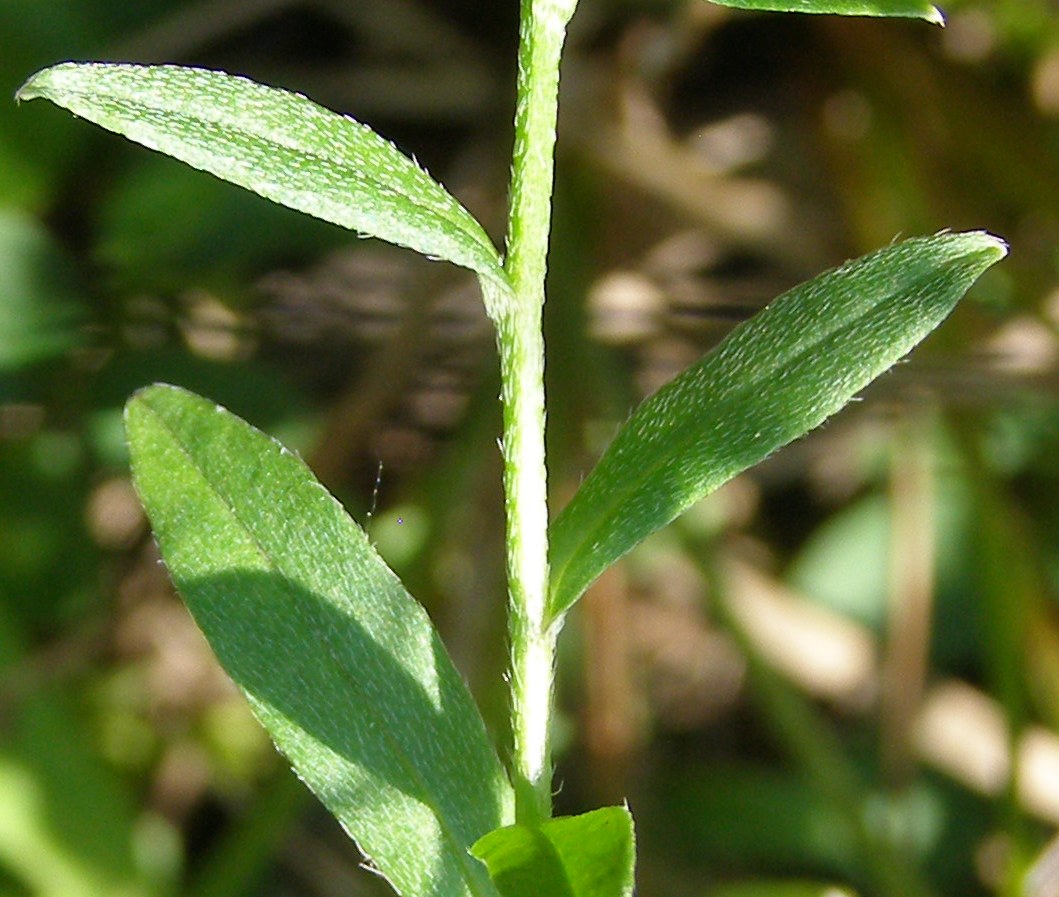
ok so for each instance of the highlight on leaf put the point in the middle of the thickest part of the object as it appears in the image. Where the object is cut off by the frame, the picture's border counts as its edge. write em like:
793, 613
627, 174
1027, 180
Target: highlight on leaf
279, 144
906, 9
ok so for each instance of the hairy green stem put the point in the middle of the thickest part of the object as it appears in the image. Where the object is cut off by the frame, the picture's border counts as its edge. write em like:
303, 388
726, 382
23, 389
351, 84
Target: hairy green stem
521, 345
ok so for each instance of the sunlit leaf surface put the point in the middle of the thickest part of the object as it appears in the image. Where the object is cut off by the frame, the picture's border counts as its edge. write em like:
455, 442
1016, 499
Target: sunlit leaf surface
338, 661
279, 144
908, 9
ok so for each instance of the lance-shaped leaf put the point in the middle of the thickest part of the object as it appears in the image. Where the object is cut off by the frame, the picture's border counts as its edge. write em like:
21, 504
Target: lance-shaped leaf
338, 661
772, 379
906, 9
279, 144
591, 855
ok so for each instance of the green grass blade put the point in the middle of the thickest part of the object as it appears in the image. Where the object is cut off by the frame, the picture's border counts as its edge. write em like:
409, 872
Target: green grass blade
906, 9
278, 144
773, 379
591, 855
338, 661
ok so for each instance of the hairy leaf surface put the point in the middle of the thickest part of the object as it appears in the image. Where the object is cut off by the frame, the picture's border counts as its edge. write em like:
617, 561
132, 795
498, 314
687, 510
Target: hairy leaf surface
338, 661
278, 144
772, 379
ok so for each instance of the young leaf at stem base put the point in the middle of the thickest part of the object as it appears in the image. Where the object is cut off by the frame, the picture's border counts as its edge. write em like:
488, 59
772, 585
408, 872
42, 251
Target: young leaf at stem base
591, 855
774, 378
338, 661
278, 144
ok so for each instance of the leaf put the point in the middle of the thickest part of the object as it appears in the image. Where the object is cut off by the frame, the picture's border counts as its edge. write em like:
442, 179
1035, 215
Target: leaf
771, 380
591, 855
906, 9
338, 661
280, 145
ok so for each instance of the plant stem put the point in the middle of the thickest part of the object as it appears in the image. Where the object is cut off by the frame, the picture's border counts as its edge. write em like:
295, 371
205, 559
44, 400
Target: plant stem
521, 347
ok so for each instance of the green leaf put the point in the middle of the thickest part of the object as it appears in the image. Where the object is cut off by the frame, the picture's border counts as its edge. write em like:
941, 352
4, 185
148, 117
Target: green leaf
772, 379
338, 661
278, 144
906, 9
591, 855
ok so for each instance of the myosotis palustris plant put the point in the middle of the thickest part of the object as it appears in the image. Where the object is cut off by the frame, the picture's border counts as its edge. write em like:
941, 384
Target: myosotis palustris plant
338, 661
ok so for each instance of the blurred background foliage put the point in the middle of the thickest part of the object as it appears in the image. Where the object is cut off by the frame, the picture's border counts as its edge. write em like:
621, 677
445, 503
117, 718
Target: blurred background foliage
839, 674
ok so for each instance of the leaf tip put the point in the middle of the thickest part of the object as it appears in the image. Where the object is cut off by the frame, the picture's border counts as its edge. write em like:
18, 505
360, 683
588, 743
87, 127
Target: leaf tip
30, 90
978, 242
935, 16
43, 82
141, 400
145, 391
993, 247
1000, 245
